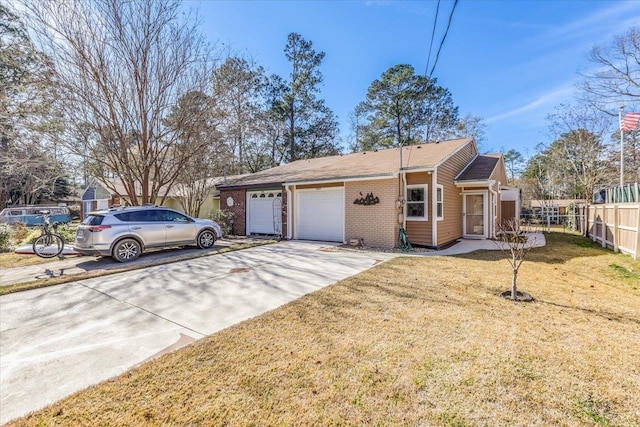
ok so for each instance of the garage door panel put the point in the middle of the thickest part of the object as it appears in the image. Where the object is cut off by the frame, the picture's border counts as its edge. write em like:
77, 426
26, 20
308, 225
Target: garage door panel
264, 215
321, 215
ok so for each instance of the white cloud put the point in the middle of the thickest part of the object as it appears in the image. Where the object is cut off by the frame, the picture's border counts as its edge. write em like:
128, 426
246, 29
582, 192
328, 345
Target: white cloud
602, 23
554, 97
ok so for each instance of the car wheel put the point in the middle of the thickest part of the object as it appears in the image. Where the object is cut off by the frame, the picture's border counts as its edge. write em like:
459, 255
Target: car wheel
206, 239
126, 250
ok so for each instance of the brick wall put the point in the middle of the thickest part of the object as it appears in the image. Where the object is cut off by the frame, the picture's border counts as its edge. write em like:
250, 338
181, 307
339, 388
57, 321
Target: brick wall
238, 208
376, 224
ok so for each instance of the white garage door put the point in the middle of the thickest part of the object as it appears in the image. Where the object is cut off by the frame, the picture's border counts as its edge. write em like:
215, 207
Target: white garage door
320, 214
264, 215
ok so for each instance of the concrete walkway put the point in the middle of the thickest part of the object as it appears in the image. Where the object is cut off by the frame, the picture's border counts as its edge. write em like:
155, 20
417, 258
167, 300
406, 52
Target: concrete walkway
60, 339
464, 246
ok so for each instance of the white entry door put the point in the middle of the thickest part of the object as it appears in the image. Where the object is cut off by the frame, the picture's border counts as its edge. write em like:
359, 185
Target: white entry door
320, 214
264, 213
475, 215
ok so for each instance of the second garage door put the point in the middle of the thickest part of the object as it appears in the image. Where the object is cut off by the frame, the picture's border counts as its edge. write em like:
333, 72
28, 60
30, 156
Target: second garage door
320, 214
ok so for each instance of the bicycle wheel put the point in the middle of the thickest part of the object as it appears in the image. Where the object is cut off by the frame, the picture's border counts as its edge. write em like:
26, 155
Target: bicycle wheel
48, 246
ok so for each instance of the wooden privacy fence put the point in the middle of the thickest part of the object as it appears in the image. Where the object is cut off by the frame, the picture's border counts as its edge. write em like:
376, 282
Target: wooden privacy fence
615, 226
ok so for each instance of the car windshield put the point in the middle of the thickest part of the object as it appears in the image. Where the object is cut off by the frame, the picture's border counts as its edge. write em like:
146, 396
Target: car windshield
93, 220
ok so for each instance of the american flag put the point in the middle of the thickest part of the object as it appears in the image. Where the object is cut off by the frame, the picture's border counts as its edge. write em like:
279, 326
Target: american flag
630, 121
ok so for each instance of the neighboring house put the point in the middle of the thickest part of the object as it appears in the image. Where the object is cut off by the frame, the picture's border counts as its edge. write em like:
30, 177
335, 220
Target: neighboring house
102, 193
554, 209
442, 192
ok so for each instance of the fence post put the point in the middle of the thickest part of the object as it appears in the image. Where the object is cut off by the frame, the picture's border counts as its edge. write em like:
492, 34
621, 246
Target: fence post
604, 226
594, 229
636, 255
616, 228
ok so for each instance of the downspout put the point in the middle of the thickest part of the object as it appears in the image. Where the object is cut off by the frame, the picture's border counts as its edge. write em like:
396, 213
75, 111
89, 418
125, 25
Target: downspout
404, 202
493, 215
434, 206
289, 219
402, 184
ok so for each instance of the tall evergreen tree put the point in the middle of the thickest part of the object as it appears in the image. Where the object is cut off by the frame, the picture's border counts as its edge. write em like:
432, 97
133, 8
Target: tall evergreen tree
311, 127
405, 108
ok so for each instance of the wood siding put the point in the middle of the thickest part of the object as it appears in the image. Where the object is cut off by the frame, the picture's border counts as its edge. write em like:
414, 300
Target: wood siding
419, 232
450, 228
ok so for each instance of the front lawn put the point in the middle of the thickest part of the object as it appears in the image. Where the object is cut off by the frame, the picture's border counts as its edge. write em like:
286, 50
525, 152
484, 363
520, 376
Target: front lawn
414, 341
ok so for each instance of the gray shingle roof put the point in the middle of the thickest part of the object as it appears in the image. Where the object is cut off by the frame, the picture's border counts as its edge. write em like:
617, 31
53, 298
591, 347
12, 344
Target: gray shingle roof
480, 169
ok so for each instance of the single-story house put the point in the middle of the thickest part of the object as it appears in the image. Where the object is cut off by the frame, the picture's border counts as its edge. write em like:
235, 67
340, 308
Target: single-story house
102, 193
437, 192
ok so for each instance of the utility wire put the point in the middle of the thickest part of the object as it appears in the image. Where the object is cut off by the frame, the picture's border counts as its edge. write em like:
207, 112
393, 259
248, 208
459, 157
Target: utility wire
433, 36
455, 3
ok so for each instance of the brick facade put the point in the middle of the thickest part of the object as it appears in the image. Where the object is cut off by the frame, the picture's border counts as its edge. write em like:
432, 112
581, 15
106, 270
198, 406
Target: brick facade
238, 208
377, 225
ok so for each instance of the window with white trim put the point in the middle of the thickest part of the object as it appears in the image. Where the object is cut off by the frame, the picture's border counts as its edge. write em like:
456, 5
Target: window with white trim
439, 202
416, 198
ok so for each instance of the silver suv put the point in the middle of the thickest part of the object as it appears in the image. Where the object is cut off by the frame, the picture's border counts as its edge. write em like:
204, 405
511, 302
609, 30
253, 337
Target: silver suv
126, 232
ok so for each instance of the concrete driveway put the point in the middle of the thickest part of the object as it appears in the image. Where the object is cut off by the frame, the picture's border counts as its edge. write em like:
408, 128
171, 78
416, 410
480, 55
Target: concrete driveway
55, 341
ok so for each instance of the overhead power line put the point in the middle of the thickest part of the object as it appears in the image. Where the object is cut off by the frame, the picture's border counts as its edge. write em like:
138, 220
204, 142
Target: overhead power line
453, 9
433, 36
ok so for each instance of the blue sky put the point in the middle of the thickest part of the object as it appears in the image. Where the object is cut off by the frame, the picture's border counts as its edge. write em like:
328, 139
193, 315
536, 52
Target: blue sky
509, 62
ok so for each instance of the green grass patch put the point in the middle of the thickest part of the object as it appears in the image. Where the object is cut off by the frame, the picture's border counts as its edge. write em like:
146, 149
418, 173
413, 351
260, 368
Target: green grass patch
624, 272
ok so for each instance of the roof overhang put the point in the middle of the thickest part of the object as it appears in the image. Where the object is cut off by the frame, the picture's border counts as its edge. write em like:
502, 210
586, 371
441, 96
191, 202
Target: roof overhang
418, 169
480, 183
343, 179
310, 181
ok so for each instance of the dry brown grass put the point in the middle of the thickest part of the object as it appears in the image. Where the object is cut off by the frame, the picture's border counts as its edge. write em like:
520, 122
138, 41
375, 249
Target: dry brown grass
12, 259
414, 341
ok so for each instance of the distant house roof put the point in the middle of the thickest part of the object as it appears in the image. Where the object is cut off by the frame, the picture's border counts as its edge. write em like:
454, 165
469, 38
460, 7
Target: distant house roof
480, 169
116, 187
211, 183
373, 164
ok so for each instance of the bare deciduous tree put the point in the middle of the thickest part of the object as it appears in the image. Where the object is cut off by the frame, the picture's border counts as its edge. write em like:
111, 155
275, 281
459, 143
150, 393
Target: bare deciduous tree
29, 164
616, 79
578, 149
197, 122
238, 87
516, 244
122, 66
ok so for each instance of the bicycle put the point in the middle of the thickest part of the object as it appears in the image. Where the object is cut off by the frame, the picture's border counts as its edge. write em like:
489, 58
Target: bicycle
49, 244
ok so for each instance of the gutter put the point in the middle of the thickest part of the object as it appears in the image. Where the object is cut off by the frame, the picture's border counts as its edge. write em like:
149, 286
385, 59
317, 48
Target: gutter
494, 216
289, 218
434, 207
275, 184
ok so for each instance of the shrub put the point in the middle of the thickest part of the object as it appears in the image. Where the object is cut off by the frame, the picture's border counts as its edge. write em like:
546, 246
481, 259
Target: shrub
19, 231
224, 219
5, 238
66, 231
